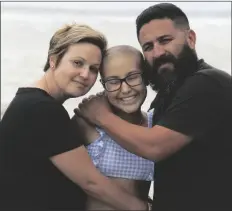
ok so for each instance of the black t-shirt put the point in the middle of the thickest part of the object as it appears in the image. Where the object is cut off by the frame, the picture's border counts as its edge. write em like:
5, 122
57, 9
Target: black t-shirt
34, 128
199, 176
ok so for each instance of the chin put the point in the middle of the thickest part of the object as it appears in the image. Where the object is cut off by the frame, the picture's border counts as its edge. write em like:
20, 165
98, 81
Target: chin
76, 94
80, 92
130, 108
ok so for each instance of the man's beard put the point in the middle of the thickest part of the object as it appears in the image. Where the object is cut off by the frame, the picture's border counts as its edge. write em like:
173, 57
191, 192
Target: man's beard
185, 64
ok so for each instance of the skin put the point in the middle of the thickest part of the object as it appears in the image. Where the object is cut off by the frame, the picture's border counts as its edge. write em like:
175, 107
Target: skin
76, 73
73, 77
119, 65
160, 37
158, 142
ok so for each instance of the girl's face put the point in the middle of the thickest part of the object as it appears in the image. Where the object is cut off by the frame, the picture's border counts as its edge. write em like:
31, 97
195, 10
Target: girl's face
129, 96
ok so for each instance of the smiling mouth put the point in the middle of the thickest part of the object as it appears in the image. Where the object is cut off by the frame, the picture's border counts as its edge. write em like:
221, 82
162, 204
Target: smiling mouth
163, 68
82, 84
128, 99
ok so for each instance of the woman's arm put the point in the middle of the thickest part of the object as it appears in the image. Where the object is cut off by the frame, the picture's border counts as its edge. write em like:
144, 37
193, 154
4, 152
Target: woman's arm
78, 167
62, 142
88, 130
91, 134
143, 189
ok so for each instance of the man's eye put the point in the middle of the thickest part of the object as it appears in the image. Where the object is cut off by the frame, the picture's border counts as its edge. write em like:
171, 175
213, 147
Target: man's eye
165, 41
148, 48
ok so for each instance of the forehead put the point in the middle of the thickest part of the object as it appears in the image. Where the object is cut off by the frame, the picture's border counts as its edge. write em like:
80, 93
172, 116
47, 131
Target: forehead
121, 65
85, 50
157, 28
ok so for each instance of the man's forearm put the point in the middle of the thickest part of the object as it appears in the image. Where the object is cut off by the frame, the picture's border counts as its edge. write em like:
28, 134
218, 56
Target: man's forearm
134, 138
155, 143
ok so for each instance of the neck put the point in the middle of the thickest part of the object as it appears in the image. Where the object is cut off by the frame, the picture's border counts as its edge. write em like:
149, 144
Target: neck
134, 118
48, 84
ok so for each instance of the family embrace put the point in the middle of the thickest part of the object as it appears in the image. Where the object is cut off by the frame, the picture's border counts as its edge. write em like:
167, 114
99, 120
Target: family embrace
107, 154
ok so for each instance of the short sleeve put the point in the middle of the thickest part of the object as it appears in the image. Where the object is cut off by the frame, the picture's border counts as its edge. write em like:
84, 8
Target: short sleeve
50, 130
197, 107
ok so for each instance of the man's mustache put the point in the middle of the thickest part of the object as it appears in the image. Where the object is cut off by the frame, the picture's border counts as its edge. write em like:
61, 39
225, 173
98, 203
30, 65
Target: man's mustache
163, 60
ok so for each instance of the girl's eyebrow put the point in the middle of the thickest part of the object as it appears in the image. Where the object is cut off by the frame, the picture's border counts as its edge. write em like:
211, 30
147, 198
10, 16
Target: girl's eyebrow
117, 77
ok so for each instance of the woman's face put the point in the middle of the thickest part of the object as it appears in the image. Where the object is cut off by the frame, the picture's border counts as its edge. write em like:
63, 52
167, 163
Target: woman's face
126, 98
78, 69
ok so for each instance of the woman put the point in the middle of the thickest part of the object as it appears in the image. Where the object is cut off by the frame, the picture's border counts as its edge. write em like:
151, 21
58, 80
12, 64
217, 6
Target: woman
42, 157
121, 76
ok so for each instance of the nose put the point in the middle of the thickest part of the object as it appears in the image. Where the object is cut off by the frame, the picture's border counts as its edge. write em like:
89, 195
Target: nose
158, 50
125, 88
84, 72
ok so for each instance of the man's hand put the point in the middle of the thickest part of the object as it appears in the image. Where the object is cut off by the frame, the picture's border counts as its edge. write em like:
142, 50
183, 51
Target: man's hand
93, 108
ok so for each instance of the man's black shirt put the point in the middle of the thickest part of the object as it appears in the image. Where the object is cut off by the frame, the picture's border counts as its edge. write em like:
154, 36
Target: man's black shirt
199, 176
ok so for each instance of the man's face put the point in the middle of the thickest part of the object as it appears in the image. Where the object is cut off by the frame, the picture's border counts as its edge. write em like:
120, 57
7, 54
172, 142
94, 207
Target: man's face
167, 50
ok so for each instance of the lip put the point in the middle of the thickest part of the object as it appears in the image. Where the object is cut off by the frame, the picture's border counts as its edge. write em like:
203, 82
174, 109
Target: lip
83, 84
128, 99
162, 68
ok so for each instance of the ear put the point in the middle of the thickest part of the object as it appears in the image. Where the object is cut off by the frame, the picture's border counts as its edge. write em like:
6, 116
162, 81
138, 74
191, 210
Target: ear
52, 62
191, 39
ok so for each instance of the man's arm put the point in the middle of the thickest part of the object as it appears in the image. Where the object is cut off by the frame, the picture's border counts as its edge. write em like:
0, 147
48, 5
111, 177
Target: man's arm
78, 167
193, 111
151, 143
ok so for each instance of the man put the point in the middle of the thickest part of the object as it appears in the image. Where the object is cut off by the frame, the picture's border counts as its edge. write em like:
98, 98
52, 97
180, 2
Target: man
191, 139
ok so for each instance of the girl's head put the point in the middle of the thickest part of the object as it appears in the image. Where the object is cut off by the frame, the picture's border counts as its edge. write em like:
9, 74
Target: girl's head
74, 58
122, 77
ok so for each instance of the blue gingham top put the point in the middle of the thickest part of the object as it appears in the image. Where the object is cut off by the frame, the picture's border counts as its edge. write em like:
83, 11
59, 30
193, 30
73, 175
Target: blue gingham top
114, 161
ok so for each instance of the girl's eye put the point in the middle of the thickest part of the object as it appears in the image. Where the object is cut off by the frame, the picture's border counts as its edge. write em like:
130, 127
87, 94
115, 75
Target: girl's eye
132, 77
114, 82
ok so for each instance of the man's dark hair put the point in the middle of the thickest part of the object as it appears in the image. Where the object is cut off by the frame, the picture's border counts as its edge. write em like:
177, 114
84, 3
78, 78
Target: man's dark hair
162, 11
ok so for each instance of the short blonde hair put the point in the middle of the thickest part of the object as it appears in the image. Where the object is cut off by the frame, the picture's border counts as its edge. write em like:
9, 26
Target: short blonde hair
72, 34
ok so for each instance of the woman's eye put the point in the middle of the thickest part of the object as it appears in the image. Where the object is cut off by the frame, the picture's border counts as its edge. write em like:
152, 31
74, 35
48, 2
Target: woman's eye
78, 63
94, 69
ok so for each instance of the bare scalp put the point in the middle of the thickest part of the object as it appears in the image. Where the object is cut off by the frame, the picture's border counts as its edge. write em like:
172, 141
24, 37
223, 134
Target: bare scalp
121, 50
